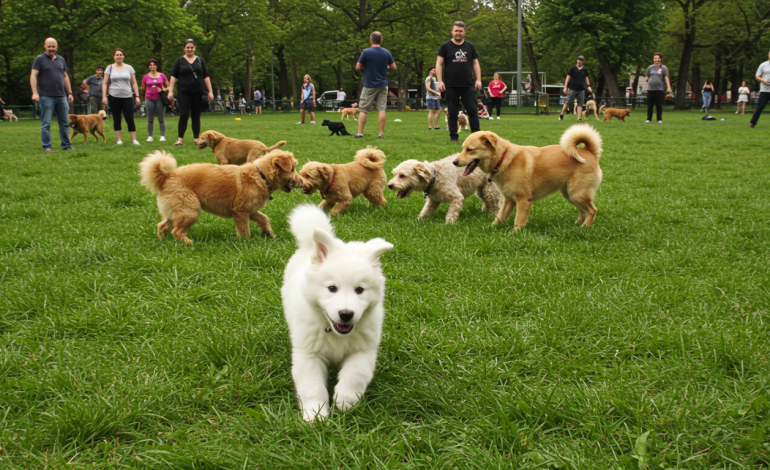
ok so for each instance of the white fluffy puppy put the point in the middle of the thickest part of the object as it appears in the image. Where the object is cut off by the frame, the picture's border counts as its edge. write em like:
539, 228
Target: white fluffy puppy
332, 299
441, 181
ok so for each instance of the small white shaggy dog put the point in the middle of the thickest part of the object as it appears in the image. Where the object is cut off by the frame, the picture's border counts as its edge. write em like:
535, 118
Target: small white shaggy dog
441, 181
332, 299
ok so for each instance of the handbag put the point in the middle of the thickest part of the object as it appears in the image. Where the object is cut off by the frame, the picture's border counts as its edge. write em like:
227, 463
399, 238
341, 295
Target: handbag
204, 95
164, 98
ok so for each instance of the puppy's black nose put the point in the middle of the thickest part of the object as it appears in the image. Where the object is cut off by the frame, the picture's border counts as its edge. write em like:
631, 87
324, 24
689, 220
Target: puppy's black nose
346, 315
390, 186
454, 163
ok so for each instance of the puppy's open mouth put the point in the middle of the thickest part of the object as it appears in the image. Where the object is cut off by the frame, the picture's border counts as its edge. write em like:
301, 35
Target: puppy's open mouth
403, 193
287, 187
201, 145
308, 190
471, 166
342, 328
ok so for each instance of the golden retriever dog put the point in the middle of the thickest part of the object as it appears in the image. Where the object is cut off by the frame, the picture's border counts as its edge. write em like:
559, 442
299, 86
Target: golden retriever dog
525, 174
616, 112
229, 151
352, 111
236, 192
10, 116
85, 123
441, 181
340, 184
591, 106
462, 120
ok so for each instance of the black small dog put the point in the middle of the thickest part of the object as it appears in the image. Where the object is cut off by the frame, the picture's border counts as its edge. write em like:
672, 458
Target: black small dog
336, 127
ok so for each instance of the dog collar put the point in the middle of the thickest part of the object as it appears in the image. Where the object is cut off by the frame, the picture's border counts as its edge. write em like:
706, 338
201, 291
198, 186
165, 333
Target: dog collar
494, 170
323, 193
430, 185
269, 188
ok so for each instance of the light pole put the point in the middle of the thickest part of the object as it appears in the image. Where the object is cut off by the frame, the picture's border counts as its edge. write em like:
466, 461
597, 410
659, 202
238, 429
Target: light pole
518, 67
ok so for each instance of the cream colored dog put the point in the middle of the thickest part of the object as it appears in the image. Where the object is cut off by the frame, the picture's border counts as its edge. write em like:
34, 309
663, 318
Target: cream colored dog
10, 116
230, 151
526, 174
462, 120
441, 181
591, 106
230, 191
340, 184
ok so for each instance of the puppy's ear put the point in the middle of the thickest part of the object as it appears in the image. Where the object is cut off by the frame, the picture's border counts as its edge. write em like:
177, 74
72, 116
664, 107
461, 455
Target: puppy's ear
323, 244
376, 247
325, 171
489, 139
285, 162
423, 172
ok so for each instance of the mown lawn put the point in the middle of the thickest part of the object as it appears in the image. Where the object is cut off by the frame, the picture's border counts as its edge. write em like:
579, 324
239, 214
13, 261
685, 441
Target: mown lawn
642, 340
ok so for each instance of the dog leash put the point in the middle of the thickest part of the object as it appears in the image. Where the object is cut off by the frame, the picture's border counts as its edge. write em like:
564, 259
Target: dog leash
323, 193
494, 170
430, 185
269, 188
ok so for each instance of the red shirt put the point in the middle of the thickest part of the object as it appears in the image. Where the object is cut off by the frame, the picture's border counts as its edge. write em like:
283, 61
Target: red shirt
496, 89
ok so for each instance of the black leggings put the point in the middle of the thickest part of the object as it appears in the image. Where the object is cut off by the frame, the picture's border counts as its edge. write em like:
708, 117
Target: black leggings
655, 98
496, 102
189, 106
120, 106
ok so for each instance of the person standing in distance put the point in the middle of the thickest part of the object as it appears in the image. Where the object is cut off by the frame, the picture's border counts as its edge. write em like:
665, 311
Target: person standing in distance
655, 79
120, 91
94, 84
51, 87
375, 63
763, 77
308, 100
497, 93
194, 83
433, 98
460, 58
341, 95
575, 87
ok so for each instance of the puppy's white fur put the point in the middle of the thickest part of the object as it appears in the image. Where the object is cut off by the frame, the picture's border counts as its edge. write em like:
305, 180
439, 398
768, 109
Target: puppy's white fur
450, 186
327, 278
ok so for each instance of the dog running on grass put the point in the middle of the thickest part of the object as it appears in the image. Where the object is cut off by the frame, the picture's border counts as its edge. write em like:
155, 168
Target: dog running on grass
333, 304
340, 184
619, 113
230, 151
526, 174
441, 181
12, 117
85, 123
230, 191
336, 127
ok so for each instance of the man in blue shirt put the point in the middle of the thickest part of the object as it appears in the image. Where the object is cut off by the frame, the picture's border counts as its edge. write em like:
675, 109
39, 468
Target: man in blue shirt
51, 87
375, 62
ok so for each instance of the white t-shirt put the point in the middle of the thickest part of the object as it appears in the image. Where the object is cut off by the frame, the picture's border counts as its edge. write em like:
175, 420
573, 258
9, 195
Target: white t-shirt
764, 72
120, 81
341, 96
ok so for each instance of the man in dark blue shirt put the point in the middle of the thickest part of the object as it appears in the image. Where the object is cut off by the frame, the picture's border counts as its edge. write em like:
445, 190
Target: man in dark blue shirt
375, 62
51, 87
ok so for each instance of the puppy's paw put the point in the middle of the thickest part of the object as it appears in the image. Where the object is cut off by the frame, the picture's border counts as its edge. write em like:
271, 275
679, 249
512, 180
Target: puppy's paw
345, 399
317, 412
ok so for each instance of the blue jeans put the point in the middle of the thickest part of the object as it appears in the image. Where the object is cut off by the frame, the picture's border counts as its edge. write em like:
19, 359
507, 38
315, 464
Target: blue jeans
706, 100
49, 104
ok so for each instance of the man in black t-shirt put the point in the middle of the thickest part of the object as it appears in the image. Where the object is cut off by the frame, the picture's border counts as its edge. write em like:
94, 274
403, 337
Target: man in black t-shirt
575, 86
459, 57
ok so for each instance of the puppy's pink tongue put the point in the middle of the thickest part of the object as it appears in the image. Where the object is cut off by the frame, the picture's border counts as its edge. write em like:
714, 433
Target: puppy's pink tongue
401, 194
343, 327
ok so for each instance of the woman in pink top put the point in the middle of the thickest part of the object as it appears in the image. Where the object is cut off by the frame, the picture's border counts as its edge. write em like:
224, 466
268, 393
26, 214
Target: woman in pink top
152, 84
497, 93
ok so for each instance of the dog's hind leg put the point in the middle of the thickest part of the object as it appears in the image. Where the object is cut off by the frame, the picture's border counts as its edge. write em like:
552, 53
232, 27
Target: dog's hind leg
505, 210
429, 208
353, 378
242, 224
263, 221
181, 225
325, 204
490, 198
163, 228
374, 195
455, 206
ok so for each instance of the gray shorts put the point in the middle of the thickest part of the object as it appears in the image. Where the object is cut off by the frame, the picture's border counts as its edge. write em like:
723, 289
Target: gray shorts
580, 95
373, 97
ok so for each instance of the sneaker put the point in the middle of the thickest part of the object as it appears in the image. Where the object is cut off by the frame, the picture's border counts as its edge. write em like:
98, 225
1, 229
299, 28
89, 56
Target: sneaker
381, 136
162, 138
453, 141
312, 122
498, 117
136, 142
69, 148
177, 143
561, 117
660, 122
300, 123
646, 121
120, 142
580, 120
49, 149
751, 126
358, 136
149, 139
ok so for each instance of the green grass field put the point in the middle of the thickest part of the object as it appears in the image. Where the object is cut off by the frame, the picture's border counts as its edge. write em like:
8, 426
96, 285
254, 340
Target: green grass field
641, 341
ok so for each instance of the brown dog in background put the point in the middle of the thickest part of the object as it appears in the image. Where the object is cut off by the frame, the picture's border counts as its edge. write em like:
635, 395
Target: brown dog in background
85, 123
616, 112
526, 174
236, 192
342, 183
351, 111
229, 151
591, 106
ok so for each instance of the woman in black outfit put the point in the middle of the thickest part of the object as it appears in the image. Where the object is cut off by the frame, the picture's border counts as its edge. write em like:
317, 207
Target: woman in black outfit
193, 76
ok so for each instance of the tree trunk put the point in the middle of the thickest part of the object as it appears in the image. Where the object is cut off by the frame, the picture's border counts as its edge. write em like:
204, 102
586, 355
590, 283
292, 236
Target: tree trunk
599, 91
610, 75
715, 101
403, 85
635, 85
294, 88
338, 74
689, 8
735, 81
536, 85
697, 97
283, 73
249, 61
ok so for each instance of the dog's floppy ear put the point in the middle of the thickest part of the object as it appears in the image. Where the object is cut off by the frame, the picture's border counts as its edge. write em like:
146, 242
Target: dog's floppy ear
285, 162
376, 247
325, 171
422, 171
488, 139
323, 244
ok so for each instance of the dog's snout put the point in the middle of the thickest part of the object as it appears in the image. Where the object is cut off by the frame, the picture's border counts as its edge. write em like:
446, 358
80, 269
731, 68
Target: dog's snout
346, 315
455, 163
390, 186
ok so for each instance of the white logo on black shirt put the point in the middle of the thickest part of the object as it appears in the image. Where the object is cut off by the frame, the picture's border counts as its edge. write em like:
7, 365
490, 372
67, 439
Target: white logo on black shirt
460, 56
